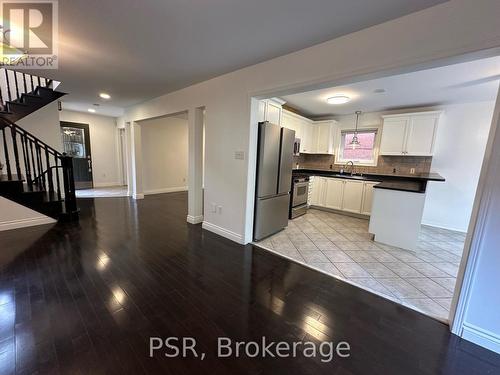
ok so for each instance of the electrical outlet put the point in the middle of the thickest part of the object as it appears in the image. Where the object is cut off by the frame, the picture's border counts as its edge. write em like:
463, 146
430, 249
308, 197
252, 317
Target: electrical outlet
412, 170
213, 208
219, 209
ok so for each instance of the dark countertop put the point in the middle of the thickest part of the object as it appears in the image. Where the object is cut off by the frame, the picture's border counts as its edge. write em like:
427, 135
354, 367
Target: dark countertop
416, 183
409, 186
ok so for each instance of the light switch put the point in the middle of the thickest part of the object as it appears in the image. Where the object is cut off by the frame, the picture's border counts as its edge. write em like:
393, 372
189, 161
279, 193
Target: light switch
239, 155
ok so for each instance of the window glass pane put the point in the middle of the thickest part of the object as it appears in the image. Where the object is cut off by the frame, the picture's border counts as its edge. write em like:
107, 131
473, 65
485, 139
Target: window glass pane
362, 152
73, 141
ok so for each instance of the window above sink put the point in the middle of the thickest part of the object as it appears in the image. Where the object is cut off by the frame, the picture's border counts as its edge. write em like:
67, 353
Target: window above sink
364, 153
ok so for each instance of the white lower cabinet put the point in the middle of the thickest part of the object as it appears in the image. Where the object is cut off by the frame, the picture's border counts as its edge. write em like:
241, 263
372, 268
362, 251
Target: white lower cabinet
334, 192
353, 196
366, 207
317, 196
342, 194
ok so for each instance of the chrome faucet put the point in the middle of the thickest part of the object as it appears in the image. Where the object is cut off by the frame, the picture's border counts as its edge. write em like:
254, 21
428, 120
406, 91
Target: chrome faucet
352, 166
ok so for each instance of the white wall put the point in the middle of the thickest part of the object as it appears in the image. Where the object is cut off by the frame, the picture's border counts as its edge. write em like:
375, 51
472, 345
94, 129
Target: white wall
44, 124
477, 317
451, 29
458, 156
164, 154
104, 146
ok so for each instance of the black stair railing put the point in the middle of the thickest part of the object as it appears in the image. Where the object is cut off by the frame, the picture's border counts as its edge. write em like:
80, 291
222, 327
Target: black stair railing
45, 169
14, 84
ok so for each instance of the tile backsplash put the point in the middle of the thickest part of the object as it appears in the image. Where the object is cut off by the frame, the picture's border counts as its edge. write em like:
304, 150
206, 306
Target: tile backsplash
386, 164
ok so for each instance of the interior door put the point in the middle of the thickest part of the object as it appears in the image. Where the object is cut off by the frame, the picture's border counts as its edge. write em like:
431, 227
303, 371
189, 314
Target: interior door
76, 143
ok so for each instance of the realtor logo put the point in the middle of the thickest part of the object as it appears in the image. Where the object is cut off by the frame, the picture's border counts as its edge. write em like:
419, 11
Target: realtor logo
29, 34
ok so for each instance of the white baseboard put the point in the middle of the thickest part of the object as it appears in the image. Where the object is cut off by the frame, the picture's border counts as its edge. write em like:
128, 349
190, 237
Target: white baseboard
481, 337
23, 223
166, 190
138, 196
194, 219
107, 184
233, 236
440, 226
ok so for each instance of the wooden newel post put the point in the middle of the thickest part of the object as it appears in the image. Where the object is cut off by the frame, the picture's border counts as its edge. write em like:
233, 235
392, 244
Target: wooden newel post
69, 185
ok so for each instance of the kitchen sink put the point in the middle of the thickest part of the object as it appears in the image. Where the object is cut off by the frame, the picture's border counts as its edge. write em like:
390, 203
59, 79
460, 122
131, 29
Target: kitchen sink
350, 176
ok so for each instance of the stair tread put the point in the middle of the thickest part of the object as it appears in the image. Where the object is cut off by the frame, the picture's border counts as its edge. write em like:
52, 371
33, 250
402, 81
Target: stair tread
14, 178
32, 95
46, 196
16, 103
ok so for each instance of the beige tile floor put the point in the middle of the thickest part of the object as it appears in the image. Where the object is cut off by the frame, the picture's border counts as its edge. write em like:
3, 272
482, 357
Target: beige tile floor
341, 246
111, 191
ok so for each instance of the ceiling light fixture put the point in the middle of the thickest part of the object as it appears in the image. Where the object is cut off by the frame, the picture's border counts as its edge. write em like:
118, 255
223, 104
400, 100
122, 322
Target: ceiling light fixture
103, 95
355, 141
338, 99
91, 110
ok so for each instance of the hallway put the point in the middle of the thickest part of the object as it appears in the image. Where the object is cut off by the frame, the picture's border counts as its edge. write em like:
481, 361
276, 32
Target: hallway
86, 297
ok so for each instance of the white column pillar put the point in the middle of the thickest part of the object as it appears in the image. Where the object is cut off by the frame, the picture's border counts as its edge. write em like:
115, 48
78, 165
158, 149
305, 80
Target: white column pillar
136, 146
128, 158
195, 166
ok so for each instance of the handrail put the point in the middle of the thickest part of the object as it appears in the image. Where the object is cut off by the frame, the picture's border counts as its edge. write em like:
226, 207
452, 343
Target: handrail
34, 138
14, 84
44, 167
45, 172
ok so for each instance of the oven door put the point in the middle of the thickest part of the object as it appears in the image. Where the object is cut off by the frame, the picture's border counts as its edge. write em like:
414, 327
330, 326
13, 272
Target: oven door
300, 193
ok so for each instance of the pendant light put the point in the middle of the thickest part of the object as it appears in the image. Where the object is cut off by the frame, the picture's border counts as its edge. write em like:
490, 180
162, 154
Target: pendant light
355, 141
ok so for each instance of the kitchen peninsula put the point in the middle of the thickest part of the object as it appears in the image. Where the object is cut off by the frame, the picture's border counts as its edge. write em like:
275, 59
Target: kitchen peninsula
393, 202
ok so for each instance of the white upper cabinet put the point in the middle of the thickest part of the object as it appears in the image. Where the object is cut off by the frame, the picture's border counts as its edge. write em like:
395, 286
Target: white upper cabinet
394, 136
325, 134
316, 137
271, 110
273, 113
410, 134
306, 140
421, 135
262, 110
291, 121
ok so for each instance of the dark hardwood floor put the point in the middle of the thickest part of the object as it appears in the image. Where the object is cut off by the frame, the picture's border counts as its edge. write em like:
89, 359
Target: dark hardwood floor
85, 298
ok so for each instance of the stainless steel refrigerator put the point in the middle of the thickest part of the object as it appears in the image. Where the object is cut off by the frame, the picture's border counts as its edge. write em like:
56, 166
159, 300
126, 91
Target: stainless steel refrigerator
274, 179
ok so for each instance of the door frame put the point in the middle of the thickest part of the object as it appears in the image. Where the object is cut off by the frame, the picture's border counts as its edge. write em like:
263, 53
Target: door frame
86, 128
473, 241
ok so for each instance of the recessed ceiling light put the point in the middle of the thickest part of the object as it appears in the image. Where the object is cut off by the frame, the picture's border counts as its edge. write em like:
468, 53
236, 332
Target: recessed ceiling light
91, 110
103, 95
338, 99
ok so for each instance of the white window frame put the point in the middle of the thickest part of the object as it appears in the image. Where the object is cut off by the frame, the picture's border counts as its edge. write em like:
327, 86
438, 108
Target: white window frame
366, 163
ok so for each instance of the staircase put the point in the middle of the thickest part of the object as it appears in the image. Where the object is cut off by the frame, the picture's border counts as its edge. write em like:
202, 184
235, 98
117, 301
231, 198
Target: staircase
34, 174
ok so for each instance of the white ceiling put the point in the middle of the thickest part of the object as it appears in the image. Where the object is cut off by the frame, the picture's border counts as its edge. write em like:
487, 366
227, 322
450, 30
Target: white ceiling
467, 82
139, 49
